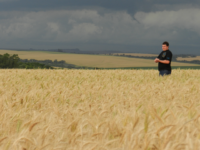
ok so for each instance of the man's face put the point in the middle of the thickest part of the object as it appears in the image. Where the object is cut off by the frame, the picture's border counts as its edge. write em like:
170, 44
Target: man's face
165, 47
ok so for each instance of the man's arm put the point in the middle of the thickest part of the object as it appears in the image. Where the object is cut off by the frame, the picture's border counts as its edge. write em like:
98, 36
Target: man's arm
167, 61
163, 61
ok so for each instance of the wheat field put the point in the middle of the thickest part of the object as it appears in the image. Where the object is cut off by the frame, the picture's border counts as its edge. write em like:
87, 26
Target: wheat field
99, 110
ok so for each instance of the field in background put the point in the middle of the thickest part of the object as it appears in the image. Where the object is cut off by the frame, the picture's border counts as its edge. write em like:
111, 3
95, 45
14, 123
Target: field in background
99, 110
137, 54
101, 61
189, 58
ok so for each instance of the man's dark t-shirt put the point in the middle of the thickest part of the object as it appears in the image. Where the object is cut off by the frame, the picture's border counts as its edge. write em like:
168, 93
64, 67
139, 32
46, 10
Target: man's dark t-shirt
165, 55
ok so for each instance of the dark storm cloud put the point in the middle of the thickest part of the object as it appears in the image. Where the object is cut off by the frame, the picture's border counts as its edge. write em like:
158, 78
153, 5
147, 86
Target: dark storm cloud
100, 25
129, 5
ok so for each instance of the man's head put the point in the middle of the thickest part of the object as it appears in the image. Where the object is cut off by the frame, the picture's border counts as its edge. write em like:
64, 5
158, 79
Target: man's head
165, 46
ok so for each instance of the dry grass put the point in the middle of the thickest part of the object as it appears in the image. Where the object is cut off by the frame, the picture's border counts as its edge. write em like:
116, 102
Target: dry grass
99, 110
90, 60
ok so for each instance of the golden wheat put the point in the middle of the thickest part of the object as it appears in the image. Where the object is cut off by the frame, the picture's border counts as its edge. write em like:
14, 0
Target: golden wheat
99, 110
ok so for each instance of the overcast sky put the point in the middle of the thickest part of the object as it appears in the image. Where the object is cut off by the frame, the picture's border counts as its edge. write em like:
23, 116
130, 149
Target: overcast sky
124, 25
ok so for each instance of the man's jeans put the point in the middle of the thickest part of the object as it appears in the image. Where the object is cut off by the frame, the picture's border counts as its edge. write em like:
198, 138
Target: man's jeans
164, 72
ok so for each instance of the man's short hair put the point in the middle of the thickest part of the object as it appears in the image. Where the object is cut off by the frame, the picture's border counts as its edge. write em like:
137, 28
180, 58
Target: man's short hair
165, 43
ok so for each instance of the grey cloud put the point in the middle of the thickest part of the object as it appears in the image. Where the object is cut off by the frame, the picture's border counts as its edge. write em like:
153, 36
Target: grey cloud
171, 21
99, 26
7, 1
175, 7
131, 6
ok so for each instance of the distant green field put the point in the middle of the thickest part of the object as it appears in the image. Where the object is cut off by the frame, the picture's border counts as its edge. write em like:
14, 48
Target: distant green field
100, 61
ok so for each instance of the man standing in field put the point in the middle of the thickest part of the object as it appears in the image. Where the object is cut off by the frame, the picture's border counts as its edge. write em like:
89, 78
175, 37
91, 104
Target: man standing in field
164, 60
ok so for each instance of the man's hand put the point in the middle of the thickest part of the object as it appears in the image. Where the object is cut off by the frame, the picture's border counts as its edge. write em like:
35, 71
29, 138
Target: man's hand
156, 60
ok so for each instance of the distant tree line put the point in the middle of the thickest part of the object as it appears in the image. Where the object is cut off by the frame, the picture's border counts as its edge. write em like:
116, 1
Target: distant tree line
186, 55
56, 63
192, 61
174, 58
13, 61
143, 57
7, 61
